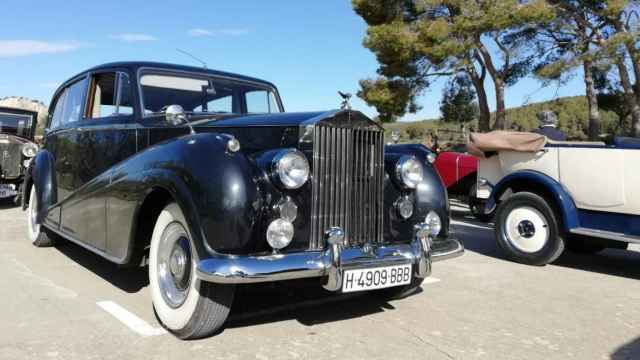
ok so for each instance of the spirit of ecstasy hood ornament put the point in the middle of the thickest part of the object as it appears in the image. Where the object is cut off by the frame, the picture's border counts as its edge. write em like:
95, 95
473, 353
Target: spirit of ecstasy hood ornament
346, 100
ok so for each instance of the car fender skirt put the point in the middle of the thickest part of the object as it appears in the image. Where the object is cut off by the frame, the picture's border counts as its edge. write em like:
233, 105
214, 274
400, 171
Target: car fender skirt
537, 182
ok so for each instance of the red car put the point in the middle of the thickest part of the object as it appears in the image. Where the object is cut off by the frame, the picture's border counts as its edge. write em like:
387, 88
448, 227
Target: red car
459, 173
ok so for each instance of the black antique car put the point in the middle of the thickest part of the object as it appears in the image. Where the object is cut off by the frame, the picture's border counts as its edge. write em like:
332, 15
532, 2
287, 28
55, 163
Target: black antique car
202, 175
17, 130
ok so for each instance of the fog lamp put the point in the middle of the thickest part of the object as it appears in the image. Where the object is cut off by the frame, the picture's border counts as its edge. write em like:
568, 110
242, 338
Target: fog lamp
405, 207
434, 222
279, 233
287, 209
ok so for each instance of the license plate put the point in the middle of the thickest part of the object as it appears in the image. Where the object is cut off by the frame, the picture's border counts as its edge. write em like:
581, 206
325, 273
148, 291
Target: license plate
5, 193
376, 278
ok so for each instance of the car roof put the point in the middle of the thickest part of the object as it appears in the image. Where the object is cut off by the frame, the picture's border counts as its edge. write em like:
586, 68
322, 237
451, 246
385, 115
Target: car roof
135, 65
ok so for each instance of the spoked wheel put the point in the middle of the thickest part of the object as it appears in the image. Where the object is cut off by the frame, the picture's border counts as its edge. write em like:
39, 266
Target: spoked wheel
186, 306
36, 233
527, 230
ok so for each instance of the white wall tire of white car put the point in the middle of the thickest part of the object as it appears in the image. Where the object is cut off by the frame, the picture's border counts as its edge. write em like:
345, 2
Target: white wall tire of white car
527, 229
197, 309
35, 232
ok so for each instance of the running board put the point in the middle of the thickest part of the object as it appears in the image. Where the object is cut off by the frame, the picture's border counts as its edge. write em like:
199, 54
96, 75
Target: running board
606, 235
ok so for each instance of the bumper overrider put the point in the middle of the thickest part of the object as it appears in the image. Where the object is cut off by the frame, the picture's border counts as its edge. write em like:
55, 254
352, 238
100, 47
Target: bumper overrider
330, 263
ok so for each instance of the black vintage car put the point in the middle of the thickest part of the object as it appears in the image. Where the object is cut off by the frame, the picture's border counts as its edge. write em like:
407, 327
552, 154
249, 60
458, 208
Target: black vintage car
202, 175
17, 130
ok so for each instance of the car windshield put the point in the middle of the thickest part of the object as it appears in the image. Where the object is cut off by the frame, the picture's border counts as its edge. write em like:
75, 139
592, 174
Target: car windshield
15, 124
205, 95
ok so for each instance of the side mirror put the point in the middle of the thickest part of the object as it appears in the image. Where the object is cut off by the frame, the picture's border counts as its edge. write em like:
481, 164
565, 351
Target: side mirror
175, 115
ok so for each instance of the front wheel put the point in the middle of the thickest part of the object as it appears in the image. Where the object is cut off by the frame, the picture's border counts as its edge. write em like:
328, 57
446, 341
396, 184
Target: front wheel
527, 230
185, 305
37, 234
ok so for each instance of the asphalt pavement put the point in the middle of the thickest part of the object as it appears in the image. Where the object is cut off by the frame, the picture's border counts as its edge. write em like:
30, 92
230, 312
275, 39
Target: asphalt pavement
66, 303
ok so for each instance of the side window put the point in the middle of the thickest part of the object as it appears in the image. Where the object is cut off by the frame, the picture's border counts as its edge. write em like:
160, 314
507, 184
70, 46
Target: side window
73, 102
109, 95
56, 118
261, 102
125, 99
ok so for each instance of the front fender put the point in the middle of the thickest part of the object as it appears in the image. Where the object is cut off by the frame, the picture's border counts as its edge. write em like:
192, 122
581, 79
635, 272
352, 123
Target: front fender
430, 195
214, 188
563, 201
41, 173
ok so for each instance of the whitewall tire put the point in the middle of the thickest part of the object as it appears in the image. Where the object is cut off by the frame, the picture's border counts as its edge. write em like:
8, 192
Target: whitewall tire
185, 305
36, 233
528, 230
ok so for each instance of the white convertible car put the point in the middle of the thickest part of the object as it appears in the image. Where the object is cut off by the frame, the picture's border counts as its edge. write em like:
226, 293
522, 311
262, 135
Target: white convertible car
580, 195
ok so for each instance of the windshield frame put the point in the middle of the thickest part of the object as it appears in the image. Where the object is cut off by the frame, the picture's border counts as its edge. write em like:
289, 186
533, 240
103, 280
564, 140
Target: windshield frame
198, 75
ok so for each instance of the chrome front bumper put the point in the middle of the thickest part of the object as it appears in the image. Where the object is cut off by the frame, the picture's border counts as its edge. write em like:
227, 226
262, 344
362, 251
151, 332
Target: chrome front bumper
232, 269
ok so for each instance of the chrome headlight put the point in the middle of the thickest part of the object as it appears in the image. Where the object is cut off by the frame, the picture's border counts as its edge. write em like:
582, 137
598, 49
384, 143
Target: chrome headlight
434, 222
29, 150
291, 168
409, 171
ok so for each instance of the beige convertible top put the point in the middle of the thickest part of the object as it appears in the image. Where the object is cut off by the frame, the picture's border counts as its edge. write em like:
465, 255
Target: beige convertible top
481, 144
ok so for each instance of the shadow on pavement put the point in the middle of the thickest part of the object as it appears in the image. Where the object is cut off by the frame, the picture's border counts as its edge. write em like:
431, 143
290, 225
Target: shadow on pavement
627, 351
7, 204
130, 280
478, 237
302, 300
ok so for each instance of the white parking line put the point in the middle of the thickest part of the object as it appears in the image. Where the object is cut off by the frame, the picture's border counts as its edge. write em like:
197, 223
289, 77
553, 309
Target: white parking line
431, 280
133, 322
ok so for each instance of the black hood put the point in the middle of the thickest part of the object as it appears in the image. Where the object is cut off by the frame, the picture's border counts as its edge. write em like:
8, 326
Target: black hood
332, 117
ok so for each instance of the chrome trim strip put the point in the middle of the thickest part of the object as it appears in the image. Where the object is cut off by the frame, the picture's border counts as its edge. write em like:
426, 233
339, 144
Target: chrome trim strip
606, 235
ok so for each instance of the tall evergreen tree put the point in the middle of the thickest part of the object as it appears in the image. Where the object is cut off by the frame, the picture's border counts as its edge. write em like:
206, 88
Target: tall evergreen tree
458, 103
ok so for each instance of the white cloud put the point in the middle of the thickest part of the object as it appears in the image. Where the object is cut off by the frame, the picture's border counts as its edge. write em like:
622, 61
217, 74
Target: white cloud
200, 32
129, 37
229, 32
14, 48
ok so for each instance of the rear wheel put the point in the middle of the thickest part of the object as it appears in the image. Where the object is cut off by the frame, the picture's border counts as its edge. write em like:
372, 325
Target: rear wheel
527, 230
38, 235
185, 305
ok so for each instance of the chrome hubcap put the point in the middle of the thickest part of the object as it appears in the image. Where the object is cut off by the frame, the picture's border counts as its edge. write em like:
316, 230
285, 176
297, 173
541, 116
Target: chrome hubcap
527, 229
174, 265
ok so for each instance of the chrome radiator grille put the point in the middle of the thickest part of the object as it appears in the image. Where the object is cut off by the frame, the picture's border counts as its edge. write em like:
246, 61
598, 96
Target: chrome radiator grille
347, 184
10, 157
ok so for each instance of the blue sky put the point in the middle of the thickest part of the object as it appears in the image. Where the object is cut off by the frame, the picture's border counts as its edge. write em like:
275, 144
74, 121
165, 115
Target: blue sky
309, 49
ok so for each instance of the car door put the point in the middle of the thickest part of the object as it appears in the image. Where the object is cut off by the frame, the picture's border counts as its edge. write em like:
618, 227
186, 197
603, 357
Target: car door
103, 138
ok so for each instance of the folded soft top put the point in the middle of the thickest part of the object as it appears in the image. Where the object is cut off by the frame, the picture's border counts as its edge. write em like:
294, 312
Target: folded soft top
483, 145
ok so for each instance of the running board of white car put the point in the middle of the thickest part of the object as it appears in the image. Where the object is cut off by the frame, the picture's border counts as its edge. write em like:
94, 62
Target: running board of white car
607, 235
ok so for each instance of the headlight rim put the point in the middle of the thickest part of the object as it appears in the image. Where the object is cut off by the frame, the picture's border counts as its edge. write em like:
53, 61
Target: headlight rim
277, 171
399, 171
432, 228
26, 146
